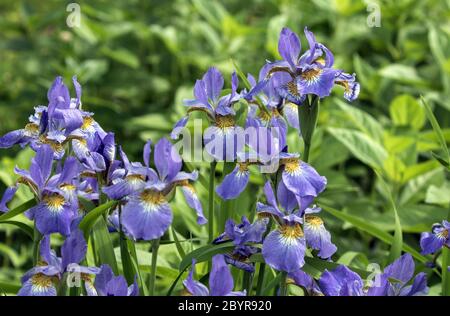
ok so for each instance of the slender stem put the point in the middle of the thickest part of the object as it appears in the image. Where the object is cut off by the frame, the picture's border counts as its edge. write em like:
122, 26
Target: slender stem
155, 247
212, 177
36, 240
306, 151
283, 284
248, 281
261, 272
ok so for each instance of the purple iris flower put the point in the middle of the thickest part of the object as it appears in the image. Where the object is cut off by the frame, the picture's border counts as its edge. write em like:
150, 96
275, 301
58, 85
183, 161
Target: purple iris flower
43, 279
284, 248
147, 213
52, 125
107, 284
240, 235
392, 282
220, 281
306, 282
310, 73
219, 110
438, 238
58, 202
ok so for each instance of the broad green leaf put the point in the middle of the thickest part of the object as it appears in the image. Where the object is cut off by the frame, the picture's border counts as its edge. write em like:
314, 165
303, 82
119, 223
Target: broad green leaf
24, 227
103, 245
403, 74
361, 146
18, 210
406, 111
438, 195
437, 129
204, 253
125, 255
8, 287
397, 243
361, 120
90, 219
373, 230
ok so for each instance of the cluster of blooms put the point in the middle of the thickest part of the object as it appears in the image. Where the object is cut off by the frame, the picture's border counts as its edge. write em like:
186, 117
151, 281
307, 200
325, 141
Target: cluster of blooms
76, 159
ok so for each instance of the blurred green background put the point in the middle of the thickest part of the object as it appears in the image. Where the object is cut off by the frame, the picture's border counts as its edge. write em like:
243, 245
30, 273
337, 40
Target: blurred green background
137, 61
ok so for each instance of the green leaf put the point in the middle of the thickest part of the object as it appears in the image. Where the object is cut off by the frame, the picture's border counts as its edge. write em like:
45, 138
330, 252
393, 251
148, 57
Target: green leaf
361, 146
204, 253
24, 227
438, 195
361, 120
397, 243
103, 245
437, 129
8, 287
90, 219
18, 210
406, 111
371, 229
127, 264
403, 74
122, 56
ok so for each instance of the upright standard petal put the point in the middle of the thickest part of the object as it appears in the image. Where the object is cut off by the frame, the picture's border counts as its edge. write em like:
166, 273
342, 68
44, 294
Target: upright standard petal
220, 280
213, 81
194, 287
289, 46
167, 160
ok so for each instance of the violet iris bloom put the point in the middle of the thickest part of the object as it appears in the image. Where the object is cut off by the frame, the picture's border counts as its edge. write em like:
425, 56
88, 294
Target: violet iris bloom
58, 203
219, 110
392, 282
438, 238
43, 279
220, 281
284, 248
107, 284
147, 214
53, 124
240, 235
310, 73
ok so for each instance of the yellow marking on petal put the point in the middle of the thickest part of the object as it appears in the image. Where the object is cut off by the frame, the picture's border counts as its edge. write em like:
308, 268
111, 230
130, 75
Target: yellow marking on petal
87, 123
152, 199
57, 147
243, 166
291, 165
312, 75
443, 234
264, 116
67, 187
225, 121
344, 84
32, 129
55, 202
185, 292
292, 231
41, 282
292, 88
314, 221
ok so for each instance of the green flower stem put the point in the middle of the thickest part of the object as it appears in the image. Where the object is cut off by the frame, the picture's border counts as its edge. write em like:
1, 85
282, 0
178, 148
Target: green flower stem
212, 177
248, 282
155, 247
36, 240
283, 284
262, 266
307, 117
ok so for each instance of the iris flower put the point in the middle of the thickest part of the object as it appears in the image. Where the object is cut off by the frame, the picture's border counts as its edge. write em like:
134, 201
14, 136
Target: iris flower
52, 125
242, 234
392, 282
57, 195
438, 238
43, 279
220, 281
284, 248
309, 73
147, 213
219, 110
107, 284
